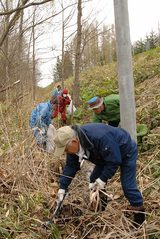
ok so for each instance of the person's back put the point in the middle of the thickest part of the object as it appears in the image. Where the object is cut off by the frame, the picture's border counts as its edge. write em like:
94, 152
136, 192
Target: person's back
55, 93
41, 115
118, 136
118, 140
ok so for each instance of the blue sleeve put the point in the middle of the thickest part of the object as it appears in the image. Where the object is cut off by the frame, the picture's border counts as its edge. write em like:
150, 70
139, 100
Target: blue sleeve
33, 118
108, 171
112, 156
70, 170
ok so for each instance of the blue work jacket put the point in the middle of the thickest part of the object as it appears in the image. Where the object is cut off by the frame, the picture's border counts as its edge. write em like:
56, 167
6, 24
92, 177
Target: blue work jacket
105, 145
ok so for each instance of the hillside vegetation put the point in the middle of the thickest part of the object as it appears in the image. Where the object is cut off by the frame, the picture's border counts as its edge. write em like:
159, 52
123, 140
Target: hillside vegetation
28, 177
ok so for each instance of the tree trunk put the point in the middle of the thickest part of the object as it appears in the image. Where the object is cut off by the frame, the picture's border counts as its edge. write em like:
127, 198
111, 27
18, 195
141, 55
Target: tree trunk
20, 64
6, 51
33, 59
125, 72
76, 87
11, 23
63, 25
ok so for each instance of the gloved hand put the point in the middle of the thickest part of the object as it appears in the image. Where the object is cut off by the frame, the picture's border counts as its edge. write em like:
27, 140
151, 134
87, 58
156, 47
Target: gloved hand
59, 202
98, 184
34, 129
42, 131
60, 195
37, 130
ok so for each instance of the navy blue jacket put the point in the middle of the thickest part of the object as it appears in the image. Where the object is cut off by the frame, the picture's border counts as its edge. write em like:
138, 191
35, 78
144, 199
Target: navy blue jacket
107, 145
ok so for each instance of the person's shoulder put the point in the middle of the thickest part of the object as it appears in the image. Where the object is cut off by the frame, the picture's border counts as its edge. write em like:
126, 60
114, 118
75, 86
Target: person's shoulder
43, 105
55, 92
111, 97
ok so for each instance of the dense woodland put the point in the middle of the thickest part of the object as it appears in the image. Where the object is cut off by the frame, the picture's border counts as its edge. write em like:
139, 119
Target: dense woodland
28, 177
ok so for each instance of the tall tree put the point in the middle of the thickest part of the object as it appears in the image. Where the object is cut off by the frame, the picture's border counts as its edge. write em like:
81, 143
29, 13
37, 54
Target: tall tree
33, 57
76, 86
90, 48
20, 53
153, 40
12, 22
65, 25
63, 28
68, 65
6, 51
125, 72
57, 71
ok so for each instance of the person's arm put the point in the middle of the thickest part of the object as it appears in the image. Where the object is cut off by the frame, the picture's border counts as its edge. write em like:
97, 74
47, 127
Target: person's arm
69, 172
67, 100
117, 101
108, 171
33, 119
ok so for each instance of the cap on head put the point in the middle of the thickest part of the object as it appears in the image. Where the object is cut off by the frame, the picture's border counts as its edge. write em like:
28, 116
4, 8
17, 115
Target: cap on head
95, 102
65, 91
63, 137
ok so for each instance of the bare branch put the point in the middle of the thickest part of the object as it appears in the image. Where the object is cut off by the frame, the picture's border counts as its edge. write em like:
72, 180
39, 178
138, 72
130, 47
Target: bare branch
11, 24
23, 7
9, 86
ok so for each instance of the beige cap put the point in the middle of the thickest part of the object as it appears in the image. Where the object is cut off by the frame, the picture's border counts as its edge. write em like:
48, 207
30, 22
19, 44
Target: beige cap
63, 137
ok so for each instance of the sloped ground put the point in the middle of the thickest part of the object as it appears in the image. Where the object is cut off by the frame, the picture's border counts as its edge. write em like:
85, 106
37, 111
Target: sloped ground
28, 183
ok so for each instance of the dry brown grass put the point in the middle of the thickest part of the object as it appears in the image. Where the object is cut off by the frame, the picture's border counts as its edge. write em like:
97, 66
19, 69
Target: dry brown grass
28, 185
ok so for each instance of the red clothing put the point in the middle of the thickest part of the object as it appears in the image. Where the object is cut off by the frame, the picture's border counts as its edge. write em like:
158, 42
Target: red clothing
60, 107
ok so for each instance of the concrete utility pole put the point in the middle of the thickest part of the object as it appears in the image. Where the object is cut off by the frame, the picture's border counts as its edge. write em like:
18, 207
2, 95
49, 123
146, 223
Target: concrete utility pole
125, 72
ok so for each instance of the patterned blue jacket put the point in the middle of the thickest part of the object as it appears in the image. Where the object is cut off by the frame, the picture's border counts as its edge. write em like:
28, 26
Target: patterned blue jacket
41, 115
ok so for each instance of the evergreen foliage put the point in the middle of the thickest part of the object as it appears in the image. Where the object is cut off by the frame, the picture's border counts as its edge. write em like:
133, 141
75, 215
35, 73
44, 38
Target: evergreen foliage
151, 41
57, 71
68, 67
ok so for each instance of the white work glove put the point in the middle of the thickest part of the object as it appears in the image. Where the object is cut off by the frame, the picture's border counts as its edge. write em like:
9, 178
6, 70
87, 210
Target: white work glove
60, 195
40, 130
35, 128
98, 184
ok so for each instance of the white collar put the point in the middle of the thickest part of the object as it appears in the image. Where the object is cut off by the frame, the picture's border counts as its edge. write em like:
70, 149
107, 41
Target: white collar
80, 153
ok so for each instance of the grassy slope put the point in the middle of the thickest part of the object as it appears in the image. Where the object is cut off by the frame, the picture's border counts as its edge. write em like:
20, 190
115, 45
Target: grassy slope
28, 179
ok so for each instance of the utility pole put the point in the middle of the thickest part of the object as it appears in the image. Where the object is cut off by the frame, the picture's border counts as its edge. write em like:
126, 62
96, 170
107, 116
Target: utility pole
125, 72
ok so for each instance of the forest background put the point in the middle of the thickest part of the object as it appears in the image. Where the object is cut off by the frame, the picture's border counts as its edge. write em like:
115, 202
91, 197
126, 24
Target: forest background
28, 177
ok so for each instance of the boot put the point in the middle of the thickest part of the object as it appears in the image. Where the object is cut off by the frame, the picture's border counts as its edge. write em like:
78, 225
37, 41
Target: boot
138, 215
